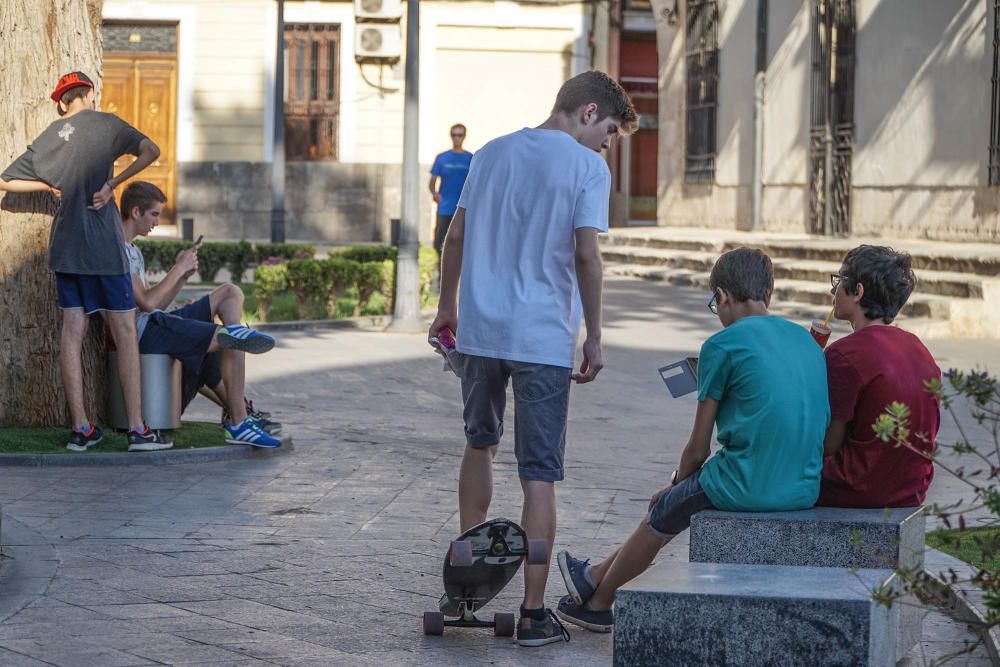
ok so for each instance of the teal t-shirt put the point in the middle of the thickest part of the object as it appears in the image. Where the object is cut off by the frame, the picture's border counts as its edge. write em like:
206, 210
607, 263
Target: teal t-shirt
769, 377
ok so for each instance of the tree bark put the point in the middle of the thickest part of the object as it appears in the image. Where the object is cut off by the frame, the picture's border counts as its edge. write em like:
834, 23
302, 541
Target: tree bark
40, 40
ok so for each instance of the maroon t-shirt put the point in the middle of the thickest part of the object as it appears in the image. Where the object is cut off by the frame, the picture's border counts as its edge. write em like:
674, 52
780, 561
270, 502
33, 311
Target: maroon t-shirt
867, 371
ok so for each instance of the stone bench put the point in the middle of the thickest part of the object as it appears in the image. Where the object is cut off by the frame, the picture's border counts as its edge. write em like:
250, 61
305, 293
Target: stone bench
746, 615
161, 392
820, 537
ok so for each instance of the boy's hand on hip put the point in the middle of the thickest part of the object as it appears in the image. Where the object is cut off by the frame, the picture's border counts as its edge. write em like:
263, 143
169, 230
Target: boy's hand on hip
102, 197
593, 362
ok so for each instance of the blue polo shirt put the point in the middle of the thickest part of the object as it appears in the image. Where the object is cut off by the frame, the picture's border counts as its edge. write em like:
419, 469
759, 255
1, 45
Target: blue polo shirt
769, 377
452, 167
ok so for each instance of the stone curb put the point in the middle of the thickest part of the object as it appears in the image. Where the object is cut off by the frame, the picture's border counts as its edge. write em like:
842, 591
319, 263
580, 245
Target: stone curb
367, 322
167, 457
966, 601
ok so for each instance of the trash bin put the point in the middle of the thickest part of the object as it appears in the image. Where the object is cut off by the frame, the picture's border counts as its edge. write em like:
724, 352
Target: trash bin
161, 392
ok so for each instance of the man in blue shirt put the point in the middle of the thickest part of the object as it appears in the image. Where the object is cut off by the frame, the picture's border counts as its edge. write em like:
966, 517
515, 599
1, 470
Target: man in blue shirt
451, 168
762, 382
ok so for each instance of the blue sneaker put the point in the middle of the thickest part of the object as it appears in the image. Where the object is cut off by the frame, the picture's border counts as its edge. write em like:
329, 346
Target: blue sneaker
595, 620
249, 432
577, 579
243, 338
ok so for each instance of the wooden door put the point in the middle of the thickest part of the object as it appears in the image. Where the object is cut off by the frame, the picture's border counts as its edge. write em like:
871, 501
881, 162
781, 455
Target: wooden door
142, 91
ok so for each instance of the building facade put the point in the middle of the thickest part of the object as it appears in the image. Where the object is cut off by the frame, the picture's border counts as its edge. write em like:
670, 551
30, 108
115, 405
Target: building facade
198, 77
877, 117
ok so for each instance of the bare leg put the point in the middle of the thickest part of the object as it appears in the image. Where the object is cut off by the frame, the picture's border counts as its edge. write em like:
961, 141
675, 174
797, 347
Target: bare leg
214, 394
234, 379
598, 571
475, 486
122, 327
629, 562
227, 303
74, 328
538, 518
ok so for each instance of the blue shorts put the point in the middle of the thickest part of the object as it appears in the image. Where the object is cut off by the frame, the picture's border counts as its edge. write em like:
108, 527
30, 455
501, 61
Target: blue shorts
95, 293
541, 407
184, 334
673, 511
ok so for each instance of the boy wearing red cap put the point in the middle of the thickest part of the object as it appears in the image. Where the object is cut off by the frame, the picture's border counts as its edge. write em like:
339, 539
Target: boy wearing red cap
74, 157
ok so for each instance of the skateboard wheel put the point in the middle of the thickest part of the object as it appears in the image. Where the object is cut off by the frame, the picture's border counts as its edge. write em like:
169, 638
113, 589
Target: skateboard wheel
503, 625
460, 553
433, 623
538, 552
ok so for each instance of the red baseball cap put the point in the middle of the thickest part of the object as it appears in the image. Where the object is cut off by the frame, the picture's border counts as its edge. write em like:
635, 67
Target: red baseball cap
70, 81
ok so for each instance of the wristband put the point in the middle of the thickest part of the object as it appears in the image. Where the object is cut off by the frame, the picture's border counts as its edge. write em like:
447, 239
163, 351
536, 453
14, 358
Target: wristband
673, 476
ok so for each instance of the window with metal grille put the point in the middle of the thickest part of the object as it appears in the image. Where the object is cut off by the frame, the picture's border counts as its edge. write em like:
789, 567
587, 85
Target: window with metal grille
702, 49
312, 91
994, 165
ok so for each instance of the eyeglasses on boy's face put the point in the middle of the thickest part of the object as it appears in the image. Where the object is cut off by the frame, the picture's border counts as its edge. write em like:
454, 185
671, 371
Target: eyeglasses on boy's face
836, 279
713, 303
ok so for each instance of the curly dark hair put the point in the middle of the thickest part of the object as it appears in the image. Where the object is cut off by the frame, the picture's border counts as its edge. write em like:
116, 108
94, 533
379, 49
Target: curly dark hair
887, 276
745, 274
599, 88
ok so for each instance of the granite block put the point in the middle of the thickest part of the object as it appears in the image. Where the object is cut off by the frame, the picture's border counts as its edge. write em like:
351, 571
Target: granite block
725, 614
820, 537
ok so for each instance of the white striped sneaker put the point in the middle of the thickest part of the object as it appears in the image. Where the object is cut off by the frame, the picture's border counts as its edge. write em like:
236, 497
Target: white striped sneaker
243, 338
249, 432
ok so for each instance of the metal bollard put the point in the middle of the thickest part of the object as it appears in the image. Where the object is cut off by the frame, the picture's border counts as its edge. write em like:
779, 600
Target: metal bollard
187, 229
161, 392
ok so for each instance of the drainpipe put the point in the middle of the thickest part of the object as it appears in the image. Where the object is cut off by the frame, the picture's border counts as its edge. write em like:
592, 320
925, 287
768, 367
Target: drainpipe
758, 112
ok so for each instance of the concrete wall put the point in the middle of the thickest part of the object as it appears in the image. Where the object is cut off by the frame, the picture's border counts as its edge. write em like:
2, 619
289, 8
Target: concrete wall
922, 107
495, 66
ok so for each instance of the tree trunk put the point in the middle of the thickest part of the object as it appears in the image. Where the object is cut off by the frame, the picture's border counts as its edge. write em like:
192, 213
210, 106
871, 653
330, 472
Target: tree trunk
40, 40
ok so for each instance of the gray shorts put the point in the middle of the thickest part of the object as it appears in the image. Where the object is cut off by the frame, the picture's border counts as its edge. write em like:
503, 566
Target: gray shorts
541, 407
673, 511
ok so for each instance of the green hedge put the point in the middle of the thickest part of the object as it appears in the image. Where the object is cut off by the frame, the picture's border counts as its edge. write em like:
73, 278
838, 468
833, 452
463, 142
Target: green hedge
367, 271
160, 255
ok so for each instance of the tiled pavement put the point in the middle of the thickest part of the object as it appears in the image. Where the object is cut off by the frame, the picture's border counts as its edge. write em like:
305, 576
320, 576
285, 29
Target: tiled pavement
328, 554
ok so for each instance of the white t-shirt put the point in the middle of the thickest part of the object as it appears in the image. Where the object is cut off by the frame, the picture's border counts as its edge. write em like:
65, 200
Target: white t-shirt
526, 194
137, 267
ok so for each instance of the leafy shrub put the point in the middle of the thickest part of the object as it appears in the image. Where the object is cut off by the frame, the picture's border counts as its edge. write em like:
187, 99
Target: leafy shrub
370, 279
286, 250
239, 257
338, 275
306, 278
268, 280
212, 256
366, 253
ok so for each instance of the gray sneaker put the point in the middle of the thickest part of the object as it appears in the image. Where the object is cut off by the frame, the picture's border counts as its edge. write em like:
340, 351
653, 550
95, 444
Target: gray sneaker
575, 576
589, 619
539, 633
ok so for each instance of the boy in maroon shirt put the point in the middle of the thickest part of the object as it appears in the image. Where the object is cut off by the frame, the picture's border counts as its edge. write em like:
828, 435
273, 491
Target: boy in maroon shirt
867, 371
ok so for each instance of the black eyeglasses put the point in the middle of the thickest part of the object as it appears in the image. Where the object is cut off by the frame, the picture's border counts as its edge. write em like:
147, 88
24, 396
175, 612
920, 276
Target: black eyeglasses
713, 303
836, 279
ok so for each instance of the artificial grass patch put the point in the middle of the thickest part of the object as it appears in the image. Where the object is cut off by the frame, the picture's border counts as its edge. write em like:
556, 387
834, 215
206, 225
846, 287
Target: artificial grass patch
52, 439
980, 547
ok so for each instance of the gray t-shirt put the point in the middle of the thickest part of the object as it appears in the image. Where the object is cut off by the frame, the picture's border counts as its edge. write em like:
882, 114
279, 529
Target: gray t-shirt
77, 155
137, 266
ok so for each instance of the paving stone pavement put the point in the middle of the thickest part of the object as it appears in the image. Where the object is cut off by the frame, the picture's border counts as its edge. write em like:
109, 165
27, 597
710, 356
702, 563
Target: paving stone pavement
328, 555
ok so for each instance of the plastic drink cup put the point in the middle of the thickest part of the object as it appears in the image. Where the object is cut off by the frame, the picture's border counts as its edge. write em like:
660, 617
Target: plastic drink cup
820, 333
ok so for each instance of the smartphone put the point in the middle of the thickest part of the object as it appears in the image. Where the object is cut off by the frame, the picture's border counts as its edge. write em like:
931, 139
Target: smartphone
197, 244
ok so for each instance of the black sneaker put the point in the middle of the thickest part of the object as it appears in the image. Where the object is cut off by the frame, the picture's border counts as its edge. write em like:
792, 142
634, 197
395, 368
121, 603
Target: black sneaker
150, 441
81, 442
589, 619
574, 573
539, 633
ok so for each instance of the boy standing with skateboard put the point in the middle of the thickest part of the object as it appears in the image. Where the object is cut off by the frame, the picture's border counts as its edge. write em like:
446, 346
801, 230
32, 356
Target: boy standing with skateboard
523, 244
75, 156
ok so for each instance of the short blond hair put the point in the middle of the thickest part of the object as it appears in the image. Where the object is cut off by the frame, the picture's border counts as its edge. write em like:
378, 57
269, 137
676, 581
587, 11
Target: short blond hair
599, 88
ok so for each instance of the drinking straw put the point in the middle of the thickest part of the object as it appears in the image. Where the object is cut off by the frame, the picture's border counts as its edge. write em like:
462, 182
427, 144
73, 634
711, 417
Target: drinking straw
826, 322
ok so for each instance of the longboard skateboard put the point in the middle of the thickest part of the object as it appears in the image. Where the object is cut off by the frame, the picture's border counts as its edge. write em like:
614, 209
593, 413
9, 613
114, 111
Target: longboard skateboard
479, 564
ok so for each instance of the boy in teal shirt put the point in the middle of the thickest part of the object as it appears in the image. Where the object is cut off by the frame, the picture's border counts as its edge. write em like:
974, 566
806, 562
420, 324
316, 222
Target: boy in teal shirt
762, 382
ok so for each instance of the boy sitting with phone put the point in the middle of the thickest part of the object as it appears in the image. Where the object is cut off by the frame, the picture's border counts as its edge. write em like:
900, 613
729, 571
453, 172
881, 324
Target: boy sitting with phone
761, 382
211, 355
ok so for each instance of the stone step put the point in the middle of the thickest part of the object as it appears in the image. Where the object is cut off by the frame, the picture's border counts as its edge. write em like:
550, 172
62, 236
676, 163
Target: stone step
977, 259
943, 283
723, 614
786, 291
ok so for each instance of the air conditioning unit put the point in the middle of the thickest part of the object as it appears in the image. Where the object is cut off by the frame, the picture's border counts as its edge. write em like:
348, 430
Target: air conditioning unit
376, 41
378, 9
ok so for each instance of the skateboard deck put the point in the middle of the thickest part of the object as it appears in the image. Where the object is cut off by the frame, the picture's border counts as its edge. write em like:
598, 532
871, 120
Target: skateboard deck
479, 564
